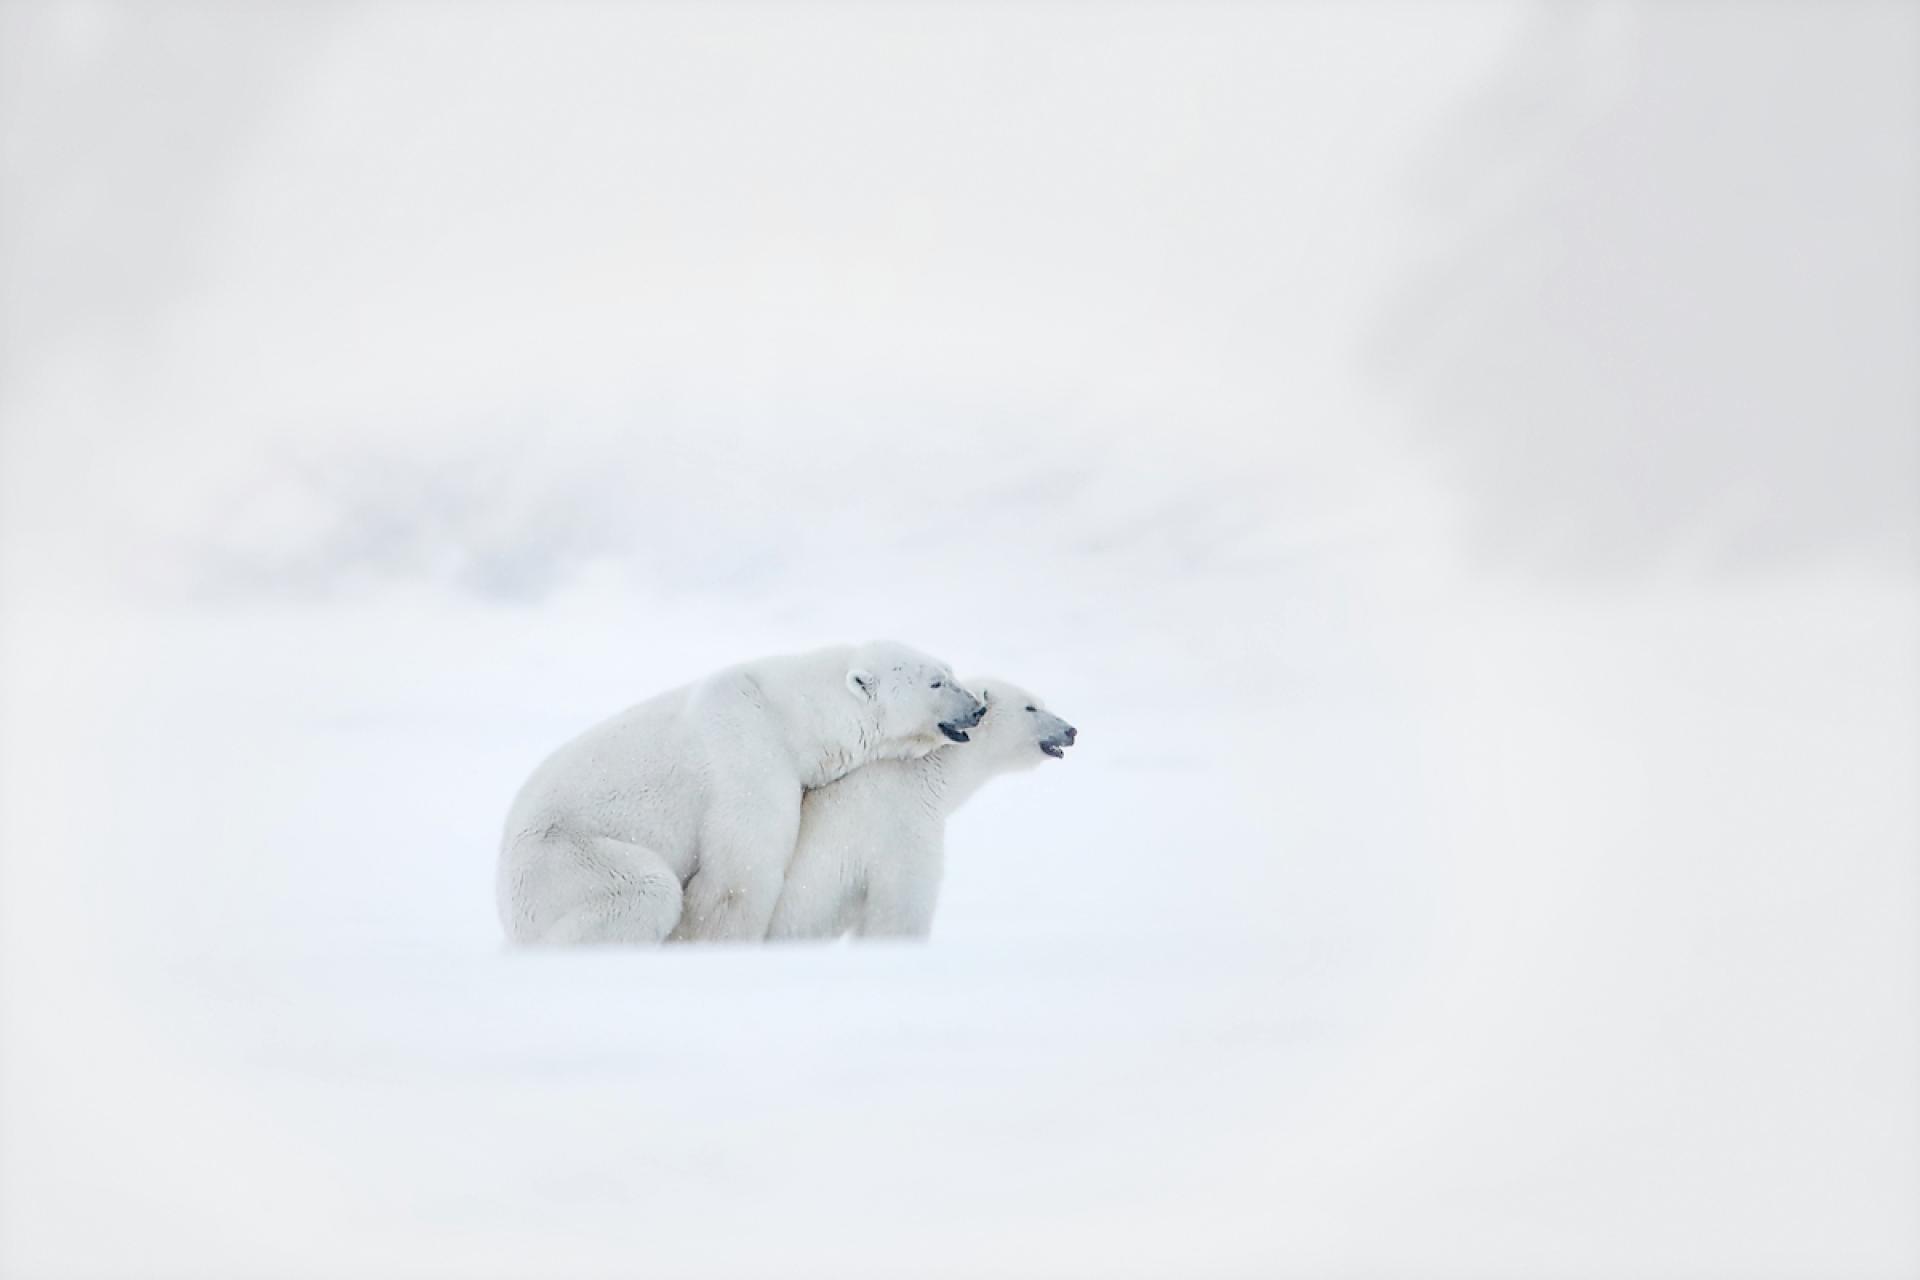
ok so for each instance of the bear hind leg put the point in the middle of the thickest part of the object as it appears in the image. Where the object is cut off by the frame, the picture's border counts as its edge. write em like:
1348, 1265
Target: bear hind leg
637, 899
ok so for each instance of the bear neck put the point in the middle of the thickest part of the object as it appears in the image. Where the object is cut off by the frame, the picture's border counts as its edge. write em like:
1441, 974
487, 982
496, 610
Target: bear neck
828, 732
839, 740
951, 775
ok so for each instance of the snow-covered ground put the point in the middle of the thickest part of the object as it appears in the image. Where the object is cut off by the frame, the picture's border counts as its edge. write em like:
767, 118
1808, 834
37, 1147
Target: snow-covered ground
1389, 434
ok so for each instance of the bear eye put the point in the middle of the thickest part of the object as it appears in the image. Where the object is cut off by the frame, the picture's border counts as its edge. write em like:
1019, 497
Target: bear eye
936, 684
1032, 708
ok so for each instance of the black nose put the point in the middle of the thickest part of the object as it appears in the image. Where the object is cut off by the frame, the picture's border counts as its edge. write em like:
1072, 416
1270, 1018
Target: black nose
1072, 733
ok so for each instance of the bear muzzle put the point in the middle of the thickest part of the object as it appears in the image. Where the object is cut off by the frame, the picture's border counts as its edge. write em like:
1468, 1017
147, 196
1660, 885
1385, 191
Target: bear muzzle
957, 727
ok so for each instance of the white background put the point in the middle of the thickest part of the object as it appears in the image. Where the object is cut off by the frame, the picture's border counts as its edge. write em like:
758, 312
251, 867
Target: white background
1455, 463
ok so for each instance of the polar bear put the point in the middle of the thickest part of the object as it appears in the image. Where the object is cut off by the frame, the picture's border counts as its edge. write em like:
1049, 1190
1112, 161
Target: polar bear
871, 846
692, 799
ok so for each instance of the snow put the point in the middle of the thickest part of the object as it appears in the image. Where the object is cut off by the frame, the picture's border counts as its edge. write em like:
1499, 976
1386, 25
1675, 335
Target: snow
1475, 862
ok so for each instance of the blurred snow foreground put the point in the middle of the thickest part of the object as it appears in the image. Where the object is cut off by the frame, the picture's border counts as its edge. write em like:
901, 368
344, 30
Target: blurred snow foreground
1492, 850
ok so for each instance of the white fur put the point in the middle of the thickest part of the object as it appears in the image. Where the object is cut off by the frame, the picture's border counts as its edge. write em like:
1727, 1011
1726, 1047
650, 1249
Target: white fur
678, 816
871, 847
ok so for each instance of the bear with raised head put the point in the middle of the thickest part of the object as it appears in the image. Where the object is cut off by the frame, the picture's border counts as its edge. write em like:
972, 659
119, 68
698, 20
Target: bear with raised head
872, 846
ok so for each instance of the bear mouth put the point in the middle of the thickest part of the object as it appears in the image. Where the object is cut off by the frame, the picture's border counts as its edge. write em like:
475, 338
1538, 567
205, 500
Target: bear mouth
954, 731
1055, 747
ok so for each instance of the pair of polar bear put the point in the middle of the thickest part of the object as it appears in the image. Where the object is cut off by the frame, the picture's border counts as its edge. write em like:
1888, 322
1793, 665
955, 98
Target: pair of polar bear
791, 797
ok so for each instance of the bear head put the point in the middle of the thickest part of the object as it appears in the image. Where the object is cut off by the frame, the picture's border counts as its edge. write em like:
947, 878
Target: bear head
1017, 729
911, 700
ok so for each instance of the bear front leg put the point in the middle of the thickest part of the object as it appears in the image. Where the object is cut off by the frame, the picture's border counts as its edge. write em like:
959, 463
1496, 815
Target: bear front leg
745, 846
900, 901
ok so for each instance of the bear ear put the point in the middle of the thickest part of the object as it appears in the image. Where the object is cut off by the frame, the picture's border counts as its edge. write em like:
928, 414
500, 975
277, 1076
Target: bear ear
860, 683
